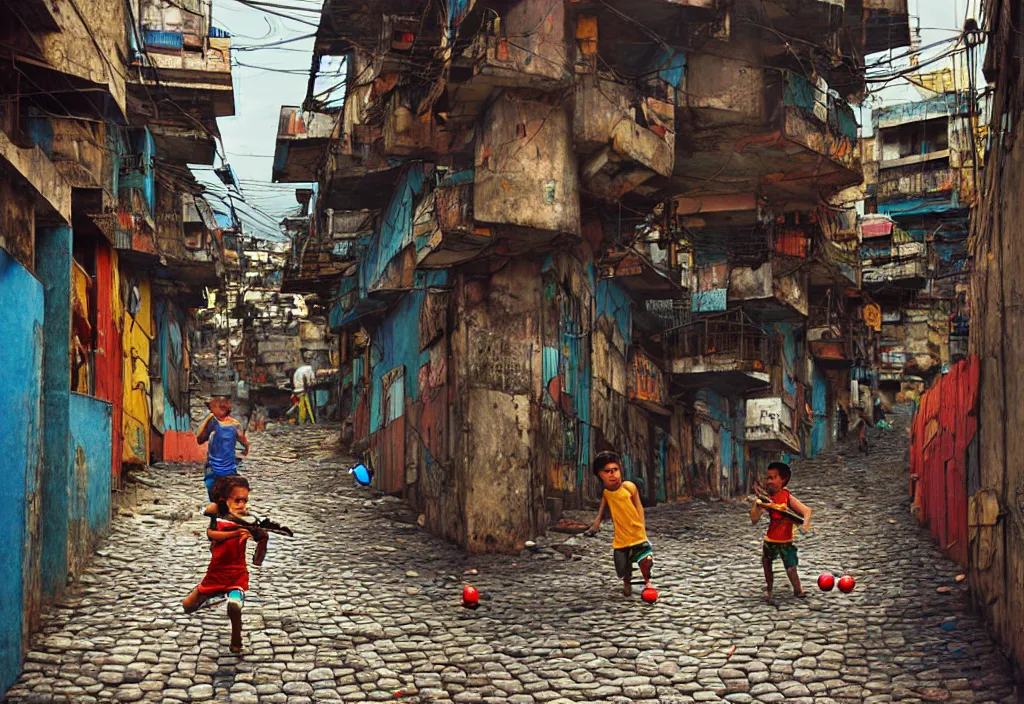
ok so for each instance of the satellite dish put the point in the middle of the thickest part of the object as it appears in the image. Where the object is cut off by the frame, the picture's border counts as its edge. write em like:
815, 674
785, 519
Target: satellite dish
362, 474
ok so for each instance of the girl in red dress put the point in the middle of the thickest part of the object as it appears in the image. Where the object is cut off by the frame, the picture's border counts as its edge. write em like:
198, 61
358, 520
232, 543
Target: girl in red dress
227, 574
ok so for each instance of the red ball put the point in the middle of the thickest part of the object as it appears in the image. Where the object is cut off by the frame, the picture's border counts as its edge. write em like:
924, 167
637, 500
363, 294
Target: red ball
846, 584
470, 597
826, 582
650, 595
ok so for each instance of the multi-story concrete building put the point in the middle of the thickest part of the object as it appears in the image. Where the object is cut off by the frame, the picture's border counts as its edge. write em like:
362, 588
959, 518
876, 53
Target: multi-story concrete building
925, 161
104, 244
558, 228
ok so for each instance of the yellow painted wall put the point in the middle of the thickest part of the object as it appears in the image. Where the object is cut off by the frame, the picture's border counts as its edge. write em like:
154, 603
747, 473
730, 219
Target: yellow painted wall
137, 336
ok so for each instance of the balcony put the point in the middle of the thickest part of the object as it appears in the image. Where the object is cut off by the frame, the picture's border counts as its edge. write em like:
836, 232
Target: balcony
184, 67
726, 351
769, 425
319, 260
809, 146
445, 231
829, 337
523, 49
625, 142
767, 295
901, 264
302, 139
525, 174
831, 345
805, 20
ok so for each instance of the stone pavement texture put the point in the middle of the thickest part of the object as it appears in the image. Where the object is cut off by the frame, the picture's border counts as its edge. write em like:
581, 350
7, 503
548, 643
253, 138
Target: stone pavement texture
363, 606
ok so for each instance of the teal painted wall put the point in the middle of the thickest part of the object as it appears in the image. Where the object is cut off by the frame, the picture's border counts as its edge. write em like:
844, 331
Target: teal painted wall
90, 425
53, 266
21, 320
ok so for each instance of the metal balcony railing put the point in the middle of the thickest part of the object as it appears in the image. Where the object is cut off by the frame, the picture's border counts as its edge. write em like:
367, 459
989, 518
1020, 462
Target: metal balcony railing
731, 334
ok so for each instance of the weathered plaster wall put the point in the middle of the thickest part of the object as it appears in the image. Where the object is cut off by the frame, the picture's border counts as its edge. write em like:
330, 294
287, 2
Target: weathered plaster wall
995, 484
17, 222
496, 344
90, 44
21, 320
47, 187
526, 172
613, 328
88, 516
53, 248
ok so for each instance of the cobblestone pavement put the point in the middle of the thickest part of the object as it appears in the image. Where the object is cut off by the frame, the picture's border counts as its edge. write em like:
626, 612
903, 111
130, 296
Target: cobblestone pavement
363, 606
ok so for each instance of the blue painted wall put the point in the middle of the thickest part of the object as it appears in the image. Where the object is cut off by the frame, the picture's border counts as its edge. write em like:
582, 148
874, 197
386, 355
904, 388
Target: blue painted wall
21, 320
53, 257
90, 424
613, 301
395, 227
397, 342
819, 405
789, 352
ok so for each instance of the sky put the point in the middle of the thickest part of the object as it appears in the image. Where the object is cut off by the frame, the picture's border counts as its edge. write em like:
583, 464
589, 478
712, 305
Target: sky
266, 78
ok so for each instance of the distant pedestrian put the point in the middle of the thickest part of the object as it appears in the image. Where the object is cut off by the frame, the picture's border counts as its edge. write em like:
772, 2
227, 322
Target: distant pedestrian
227, 574
629, 544
778, 541
861, 424
302, 387
223, 432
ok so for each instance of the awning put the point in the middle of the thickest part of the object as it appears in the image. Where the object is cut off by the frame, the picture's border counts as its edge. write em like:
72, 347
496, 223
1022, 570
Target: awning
363, 308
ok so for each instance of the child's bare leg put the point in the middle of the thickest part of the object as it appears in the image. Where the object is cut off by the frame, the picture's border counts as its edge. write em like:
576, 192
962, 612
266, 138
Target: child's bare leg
627, 588
645, 569
235, 616
192, 602
769, 578
794, 579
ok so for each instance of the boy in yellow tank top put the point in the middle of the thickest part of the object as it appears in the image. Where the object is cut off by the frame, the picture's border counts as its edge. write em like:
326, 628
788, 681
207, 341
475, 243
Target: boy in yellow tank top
630, 544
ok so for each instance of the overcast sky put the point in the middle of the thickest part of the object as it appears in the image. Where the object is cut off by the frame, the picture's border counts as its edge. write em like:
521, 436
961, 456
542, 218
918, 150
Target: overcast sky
267, 78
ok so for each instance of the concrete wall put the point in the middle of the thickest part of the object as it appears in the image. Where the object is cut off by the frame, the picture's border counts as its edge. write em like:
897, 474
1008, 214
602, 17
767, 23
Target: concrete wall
89, 45
21, 320
88, 516
526, 173
496, 345
995, 484
53, 247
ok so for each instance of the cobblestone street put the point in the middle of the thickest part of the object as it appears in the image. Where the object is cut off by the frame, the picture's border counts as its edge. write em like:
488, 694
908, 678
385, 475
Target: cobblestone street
362, 605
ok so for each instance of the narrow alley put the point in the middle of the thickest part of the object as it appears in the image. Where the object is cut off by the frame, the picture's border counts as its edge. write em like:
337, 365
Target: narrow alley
363, 605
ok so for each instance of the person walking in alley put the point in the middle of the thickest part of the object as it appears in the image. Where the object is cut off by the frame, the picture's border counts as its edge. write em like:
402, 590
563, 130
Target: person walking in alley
778, 541
860, 424
302, 387
629, 544
223, 432
227, 574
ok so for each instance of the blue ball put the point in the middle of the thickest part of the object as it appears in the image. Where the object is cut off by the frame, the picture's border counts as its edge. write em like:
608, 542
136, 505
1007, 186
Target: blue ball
362, 474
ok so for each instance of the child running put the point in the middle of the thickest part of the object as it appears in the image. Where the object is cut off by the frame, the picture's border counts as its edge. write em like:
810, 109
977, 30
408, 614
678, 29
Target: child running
227, 573
223, 432
778, 541
630, 544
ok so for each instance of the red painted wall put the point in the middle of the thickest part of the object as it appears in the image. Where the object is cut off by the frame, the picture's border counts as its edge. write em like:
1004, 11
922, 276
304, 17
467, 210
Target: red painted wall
942, 432
109, 348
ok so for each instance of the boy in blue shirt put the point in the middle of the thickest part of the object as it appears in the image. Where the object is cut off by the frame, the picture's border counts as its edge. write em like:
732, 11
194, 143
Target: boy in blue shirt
223, 432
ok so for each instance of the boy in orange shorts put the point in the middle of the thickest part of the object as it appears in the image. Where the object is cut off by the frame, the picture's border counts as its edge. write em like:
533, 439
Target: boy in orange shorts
630, 544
